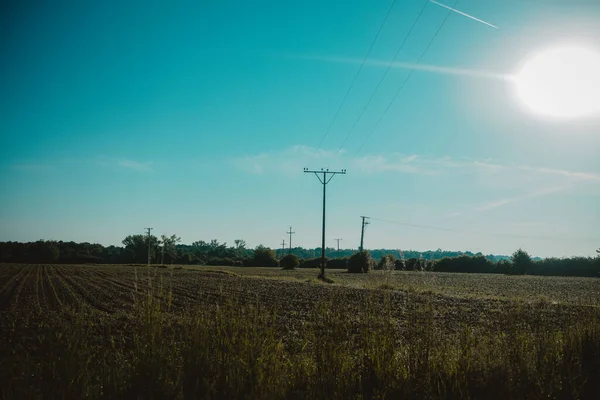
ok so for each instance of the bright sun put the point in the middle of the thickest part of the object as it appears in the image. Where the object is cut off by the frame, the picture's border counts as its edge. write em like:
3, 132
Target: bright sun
562, 82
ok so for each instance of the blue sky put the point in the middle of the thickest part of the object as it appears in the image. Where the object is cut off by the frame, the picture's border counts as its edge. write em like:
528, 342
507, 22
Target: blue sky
196, 118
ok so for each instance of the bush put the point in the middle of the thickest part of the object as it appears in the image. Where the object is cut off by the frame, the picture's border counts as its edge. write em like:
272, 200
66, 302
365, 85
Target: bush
503, 267
263, 257
289, 262
464, 263
399, 265
337, 263
412, 264
574, 266
313, 263
387, 262
360, 262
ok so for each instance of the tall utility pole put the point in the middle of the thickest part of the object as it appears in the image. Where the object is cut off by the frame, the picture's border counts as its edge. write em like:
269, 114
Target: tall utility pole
362, 232
290, 233
282, 248
324, 182
149, 246
338, 246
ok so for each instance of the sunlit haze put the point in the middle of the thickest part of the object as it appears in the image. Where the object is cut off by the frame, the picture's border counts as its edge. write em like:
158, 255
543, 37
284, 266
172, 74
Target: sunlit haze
561, 82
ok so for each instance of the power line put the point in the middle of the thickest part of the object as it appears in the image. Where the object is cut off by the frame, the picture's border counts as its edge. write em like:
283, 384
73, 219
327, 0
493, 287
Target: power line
389, 66
324, 182
407, 78
482, 233
356, 75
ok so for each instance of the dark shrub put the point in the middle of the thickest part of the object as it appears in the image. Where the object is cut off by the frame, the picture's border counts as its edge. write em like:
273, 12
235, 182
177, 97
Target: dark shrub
263, 257
387, 262
337, 263
503, 267
464, 263
360, 262
399, 264
412, 264
313, 263
289, 262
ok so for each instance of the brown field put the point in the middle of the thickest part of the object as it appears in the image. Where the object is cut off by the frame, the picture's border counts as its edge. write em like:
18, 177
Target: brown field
478, 299
35, 300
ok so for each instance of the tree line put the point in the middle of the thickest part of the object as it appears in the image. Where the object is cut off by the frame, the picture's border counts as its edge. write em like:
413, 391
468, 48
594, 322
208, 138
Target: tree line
137, 249
169, 250
520, 263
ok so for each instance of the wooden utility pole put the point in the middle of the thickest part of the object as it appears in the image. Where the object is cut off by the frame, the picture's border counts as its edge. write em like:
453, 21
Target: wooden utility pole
282, 248
338, 247
290, 233
149, 244
162, 255
362, 231
324, 182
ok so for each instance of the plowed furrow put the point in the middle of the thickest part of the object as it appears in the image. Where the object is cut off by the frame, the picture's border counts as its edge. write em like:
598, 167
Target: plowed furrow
63, 286
7, 291
15, 301
53, 301
87, 293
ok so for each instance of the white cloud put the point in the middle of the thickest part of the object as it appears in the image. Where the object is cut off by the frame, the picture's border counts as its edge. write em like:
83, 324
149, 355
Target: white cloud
531, 194
436, 69
135, 165
531, 181
509, 200
293, 159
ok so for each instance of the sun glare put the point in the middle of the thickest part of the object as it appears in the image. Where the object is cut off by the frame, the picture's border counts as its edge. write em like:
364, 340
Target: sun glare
561, 82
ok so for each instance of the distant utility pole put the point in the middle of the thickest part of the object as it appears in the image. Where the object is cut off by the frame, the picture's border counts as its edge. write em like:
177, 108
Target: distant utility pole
149, 247
282, 248
162, 255
290, 233
362, 232
338, 246
324, 182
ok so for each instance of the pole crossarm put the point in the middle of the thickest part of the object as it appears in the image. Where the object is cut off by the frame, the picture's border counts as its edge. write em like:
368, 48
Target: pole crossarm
325, 172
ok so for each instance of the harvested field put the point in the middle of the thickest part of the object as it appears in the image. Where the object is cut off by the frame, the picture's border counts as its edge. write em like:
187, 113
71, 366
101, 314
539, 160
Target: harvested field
36, 300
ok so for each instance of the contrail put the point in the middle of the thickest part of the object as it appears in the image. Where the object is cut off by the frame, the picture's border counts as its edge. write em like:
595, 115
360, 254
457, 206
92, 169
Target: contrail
404, 65
462, 13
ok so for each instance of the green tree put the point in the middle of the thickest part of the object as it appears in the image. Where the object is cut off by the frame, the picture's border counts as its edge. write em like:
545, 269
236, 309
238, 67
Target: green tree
137, 247
521, 262
263, 257
45, 251
290, 261
360, 262
169, 245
